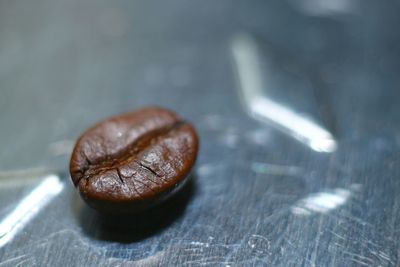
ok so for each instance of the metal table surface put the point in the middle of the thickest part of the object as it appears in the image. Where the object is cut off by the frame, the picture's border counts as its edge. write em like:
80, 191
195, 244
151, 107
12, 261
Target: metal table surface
296, 104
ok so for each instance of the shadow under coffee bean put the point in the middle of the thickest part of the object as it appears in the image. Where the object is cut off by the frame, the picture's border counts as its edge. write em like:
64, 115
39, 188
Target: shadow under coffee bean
131, 162
128, 228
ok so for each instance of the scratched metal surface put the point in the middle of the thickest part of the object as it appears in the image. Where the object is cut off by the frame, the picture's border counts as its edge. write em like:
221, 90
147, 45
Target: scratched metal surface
265, 192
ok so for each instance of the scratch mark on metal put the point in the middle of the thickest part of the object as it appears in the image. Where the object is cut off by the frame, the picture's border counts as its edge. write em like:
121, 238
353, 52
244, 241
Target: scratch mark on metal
258, 242
200, 244
22, 262
337, 235
290, 242
384, 255
358, 258
317, 240
8, 261
381, 256
360, 262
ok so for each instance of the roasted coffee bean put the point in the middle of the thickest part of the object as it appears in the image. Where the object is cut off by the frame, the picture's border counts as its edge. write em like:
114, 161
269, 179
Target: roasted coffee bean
131, 162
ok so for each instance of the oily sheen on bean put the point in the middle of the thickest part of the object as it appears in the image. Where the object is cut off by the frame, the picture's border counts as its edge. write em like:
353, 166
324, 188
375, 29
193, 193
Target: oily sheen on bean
133, 161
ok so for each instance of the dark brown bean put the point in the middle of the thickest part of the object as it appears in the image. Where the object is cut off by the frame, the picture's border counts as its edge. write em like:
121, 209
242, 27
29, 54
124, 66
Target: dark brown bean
130, 162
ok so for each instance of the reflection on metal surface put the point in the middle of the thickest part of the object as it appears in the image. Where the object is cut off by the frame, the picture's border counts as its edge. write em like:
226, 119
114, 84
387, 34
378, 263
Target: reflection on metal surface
32, 172
62, 147
321, 202
229, 139
206, 169
259, 137
274, 169
29, 207
15, 178
325, 7
261, 107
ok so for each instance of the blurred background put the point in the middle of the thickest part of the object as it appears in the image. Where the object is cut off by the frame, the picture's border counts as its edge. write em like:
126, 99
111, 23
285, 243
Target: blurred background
295, 101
